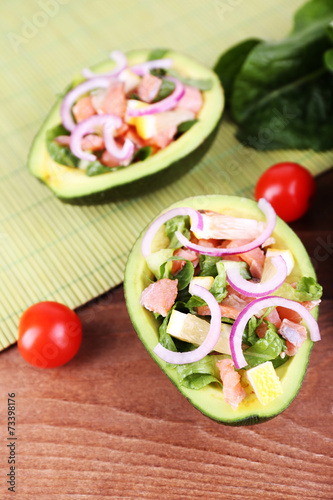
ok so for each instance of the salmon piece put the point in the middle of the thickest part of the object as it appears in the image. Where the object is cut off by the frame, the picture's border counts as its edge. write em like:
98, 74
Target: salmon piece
160, 296
163, 138
93, 142
83, 109
194, 239
90, 141
289, 314
133, 136
294, 333
149, 87
63, 140
110, 161
211, 243
233, 392
225, 244
261, 330
122, 130
177, 265
115, 102
138, 142
231, 306
274, 318
254, 258
191, 100
286, 313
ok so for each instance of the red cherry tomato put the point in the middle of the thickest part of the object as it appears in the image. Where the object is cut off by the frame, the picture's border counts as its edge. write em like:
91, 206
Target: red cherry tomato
290, 189
50, 334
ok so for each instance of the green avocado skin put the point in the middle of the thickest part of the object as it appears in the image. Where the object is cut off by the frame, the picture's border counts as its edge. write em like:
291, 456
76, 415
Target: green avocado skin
74, 187
136, 274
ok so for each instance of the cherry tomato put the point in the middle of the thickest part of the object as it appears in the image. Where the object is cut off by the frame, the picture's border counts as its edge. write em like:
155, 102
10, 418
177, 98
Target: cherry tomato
290, 189
50, 334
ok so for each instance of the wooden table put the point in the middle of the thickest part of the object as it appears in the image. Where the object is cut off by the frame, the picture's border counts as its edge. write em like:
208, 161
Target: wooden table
111, 425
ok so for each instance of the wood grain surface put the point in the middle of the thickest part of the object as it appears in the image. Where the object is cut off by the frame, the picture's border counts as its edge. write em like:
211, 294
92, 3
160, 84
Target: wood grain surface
111, 425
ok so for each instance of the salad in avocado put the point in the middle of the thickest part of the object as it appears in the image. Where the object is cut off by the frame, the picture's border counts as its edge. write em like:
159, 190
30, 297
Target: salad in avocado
232, 305
131, 116
125, 115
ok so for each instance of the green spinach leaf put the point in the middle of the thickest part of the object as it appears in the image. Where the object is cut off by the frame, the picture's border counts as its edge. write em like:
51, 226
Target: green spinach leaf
185, 126
280, 93
184, 276
328, 59
164, 338
58, 153
230, 63
142, 154
166, 89
96, 168
157, 54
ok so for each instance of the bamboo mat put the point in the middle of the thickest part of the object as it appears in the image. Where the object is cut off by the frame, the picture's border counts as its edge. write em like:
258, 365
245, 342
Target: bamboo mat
71, 254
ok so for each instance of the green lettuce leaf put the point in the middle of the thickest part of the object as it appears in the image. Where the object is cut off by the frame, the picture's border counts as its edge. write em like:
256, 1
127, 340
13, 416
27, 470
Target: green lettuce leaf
199, 374
265, 349
219, 287
218, 290
250, 336
179, 223
306, 289
207, 265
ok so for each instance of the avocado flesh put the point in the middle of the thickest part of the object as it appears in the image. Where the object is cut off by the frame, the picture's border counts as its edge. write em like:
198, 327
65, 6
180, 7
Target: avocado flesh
209, 400
72, 184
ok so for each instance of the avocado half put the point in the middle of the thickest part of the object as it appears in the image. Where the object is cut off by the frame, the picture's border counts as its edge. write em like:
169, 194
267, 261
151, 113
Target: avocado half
73, 185
209, 400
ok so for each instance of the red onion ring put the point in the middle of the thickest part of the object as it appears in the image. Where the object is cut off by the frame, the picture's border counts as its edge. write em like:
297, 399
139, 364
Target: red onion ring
123, 153
270, 214
144, 68
196, 223
180, 358
261, 289
74, 94
121, 63
88, 126
163, 105
257, 305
